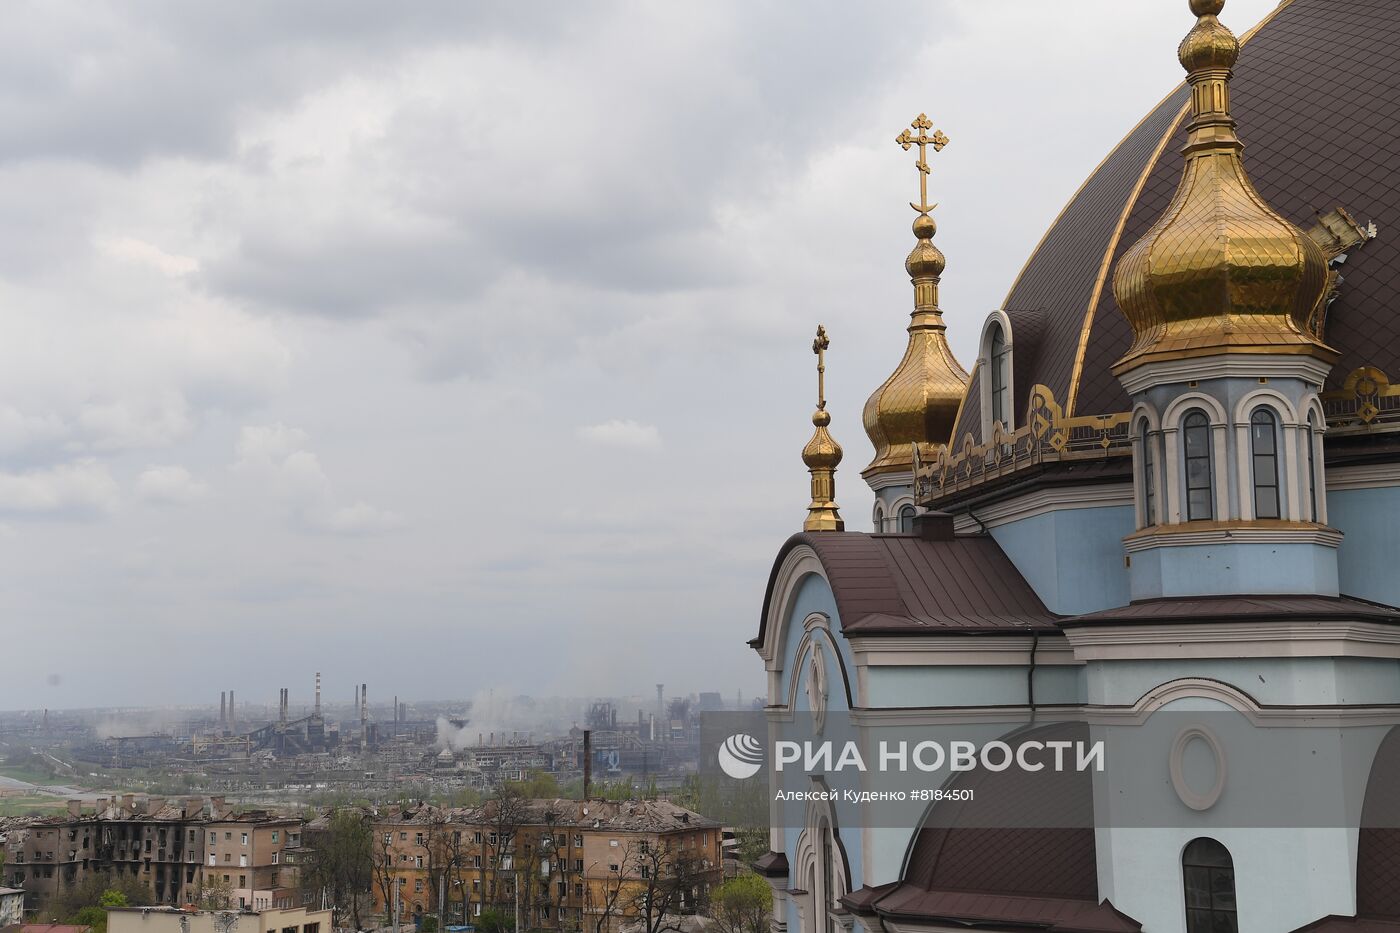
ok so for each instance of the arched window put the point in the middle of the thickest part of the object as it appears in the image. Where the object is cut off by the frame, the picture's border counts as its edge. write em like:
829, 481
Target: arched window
1149, 478
999, 361
1200, 490
879, 520
906, 520
1263, 449
1208, 875
1312, 468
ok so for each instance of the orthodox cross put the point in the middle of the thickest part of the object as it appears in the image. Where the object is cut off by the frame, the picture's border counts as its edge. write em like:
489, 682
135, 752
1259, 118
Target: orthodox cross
906, 139
819, 346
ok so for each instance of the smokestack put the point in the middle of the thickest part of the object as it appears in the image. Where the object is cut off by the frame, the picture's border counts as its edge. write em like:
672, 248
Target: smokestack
230, 709
364, 703
223, 707
396, 713
318, 693
587, 760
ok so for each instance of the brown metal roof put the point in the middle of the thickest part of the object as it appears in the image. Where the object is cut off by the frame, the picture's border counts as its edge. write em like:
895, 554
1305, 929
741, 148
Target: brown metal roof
906, 584
1056, 915
1335, 924
1317, 97
995, 860
1378, 848
1259, 608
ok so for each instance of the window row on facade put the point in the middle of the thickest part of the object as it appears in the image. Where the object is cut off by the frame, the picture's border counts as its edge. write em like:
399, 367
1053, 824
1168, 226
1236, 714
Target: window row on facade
1185, 465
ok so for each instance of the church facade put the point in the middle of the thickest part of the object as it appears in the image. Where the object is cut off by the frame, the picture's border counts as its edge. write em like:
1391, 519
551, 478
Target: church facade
1161, 507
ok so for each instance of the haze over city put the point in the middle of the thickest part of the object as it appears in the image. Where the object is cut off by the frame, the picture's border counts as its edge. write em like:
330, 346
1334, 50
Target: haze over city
418, 340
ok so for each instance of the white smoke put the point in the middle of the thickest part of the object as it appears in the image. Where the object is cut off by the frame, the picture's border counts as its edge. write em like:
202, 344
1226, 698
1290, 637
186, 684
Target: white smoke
505, 720
114, 727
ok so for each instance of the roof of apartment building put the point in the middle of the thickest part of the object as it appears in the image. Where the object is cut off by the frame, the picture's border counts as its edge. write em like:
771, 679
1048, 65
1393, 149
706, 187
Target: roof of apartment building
155, 809
637, 816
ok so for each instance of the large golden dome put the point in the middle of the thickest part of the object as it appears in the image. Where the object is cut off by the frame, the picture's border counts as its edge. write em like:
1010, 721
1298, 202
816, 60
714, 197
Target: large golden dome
1220, 270
919, 402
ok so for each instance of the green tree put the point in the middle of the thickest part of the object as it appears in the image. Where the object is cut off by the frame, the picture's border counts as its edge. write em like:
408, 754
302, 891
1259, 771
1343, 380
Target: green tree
742, 905
493, 920
342, 861
94, 917
538, 786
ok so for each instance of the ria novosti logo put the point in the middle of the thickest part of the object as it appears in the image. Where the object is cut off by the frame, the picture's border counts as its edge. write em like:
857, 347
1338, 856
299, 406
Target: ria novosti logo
740, 756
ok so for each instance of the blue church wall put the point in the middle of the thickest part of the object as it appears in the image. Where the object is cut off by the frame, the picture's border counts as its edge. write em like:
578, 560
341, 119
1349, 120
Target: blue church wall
1072, 558
1370, 522
814, 595
1270, 681
983, 685
1231, 569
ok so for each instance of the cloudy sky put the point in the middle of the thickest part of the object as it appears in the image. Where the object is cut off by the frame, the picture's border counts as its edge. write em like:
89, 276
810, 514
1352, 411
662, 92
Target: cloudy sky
454, 346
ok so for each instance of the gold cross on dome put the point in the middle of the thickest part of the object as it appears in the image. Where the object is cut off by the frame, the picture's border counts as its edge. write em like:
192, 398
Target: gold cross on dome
906, 139
819, 346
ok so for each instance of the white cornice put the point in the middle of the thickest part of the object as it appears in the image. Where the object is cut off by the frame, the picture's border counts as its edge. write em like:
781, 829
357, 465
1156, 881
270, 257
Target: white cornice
1043, 501
960, 650
1145, 540
1133, 714
956, 715
1225, 366
799, 562
1363, 476
1303, 638
886, 480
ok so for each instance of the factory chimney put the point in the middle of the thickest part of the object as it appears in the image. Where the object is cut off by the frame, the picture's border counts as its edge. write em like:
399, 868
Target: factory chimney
318, 694
364, 718
223, 707
587, 760
230, 710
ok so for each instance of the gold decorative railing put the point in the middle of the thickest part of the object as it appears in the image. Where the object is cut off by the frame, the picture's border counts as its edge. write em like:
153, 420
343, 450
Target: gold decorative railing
1048, 436
1366, 403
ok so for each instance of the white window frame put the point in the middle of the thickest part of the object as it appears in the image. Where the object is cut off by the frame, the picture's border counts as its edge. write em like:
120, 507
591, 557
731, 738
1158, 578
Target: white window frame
985, 363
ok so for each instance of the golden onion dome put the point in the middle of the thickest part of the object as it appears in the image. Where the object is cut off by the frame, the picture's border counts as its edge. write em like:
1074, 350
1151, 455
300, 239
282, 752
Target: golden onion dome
822, 452
1209, 44
919, 402
1220, 270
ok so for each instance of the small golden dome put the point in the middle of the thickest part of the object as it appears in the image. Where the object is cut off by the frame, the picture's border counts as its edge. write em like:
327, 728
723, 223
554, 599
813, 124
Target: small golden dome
1208, 45
822, 452
925, 259
1220, 269
919, 402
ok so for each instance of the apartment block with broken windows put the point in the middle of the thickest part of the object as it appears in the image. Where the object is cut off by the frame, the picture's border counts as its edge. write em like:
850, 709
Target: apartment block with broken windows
165, 845
592, 864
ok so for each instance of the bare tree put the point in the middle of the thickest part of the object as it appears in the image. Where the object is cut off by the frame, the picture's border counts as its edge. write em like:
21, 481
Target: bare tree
382, 866
664, 885
603, 902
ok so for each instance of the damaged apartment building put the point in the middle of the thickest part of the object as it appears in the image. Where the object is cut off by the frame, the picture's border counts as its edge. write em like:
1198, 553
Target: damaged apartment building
174, 847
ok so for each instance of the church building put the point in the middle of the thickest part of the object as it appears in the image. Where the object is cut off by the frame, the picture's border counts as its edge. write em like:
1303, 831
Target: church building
1162, 505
